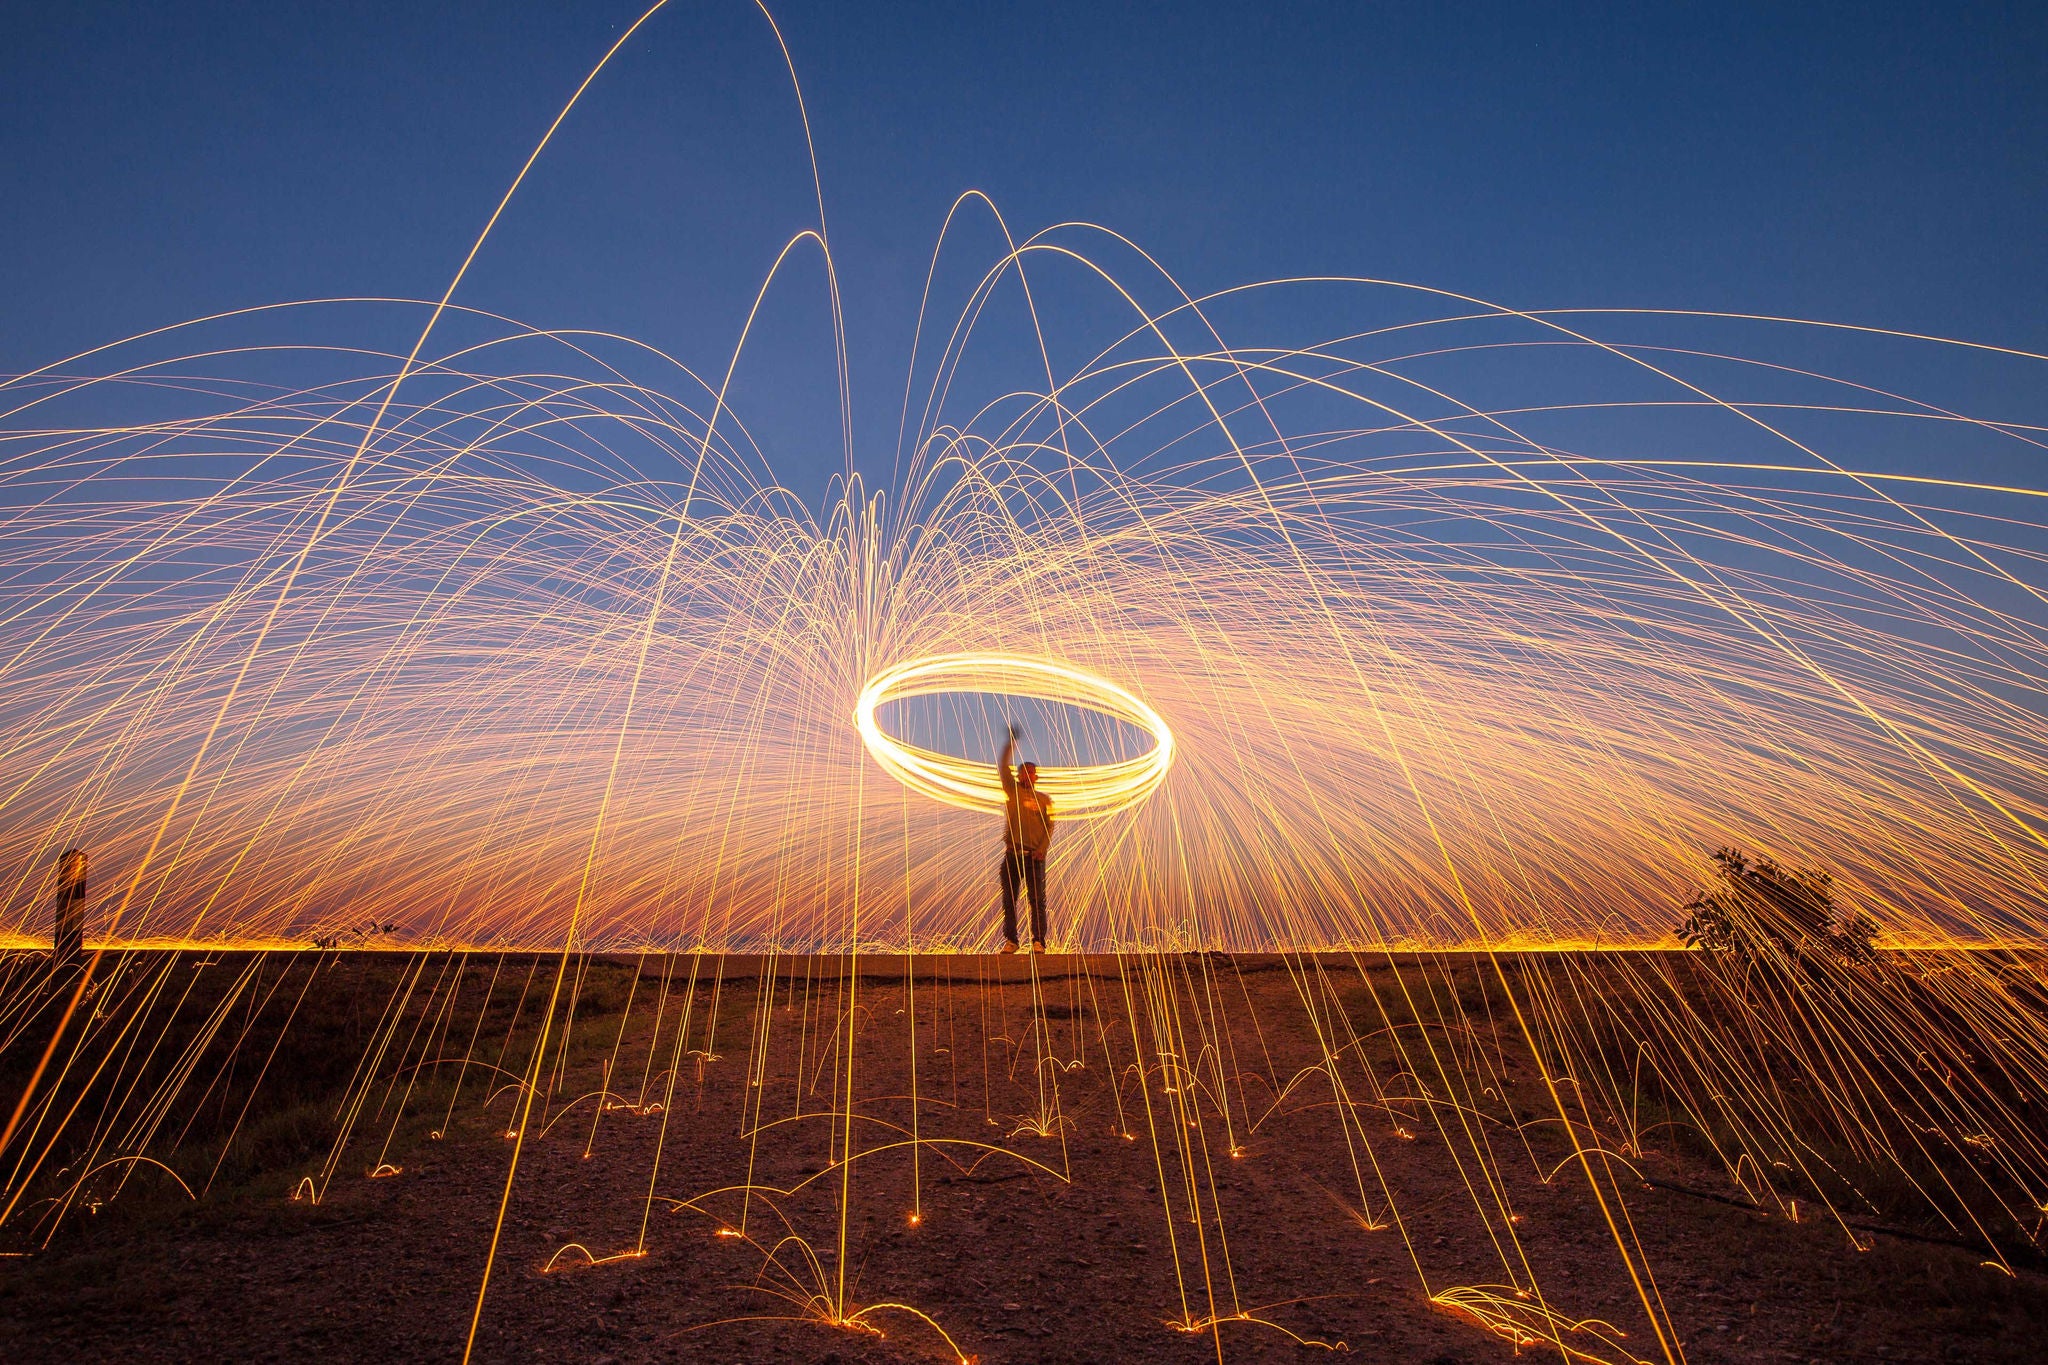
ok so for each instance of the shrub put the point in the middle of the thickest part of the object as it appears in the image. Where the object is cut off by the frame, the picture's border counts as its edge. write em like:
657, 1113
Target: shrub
1759, 911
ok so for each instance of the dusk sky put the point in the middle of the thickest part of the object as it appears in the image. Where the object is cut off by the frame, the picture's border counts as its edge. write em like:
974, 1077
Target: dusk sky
1879, 165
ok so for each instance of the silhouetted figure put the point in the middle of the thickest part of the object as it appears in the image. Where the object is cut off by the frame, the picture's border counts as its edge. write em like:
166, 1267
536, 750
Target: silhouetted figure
67, 944
1027, 834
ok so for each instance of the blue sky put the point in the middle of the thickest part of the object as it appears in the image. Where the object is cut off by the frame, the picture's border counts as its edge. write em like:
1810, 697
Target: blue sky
1875, 164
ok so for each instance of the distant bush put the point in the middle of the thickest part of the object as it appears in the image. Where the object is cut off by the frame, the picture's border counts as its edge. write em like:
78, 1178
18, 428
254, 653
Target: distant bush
354, 935
1758, 911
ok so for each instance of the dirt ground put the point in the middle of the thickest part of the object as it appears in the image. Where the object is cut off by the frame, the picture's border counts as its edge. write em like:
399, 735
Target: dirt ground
1043, 1198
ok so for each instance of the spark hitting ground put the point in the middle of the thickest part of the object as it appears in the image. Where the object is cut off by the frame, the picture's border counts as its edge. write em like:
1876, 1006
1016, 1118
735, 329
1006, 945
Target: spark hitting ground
1394, 683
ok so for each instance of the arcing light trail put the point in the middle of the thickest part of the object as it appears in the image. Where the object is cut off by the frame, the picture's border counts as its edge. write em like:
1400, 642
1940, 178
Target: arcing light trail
1584, 669
1448, 628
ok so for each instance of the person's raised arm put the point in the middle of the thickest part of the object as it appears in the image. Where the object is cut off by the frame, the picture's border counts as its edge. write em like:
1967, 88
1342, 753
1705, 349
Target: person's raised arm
1003, 761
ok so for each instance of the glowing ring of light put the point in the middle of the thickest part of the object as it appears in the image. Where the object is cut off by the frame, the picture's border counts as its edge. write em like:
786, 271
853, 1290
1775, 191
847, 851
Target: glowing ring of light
1084, 793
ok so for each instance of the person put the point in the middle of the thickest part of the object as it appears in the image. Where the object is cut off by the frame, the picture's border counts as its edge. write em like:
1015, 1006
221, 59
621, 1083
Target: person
1027, 834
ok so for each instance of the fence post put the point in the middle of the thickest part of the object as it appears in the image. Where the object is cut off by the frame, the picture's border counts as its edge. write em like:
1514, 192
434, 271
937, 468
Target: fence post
68, 930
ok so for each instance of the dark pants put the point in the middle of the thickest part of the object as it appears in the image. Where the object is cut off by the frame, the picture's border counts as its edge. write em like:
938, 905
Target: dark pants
1022, 867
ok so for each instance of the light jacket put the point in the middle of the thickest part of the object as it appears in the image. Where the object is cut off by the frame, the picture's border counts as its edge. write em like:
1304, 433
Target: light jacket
1027, 816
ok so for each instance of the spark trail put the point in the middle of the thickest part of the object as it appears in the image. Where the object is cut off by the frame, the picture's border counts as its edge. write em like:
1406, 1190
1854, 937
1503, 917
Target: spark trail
1418, 655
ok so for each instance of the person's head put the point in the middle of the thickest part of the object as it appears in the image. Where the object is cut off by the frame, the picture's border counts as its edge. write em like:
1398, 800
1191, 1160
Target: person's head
1027, 774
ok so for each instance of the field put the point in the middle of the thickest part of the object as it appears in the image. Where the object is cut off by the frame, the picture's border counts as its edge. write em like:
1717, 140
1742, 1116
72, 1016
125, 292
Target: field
1172, 1157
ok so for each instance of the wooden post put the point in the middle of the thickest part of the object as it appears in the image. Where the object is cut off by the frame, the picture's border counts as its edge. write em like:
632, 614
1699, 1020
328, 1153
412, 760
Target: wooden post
68, 930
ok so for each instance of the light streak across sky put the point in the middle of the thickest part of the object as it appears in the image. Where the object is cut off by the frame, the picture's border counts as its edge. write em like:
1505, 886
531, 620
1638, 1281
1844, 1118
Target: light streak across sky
1468, 625
1451, 628
1431, 678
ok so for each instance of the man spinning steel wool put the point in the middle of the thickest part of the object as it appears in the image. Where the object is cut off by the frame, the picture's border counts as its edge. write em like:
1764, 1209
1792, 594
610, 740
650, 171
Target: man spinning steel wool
1027, 834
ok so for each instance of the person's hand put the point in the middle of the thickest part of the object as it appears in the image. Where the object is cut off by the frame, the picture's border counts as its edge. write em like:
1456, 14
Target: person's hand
1016, 730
